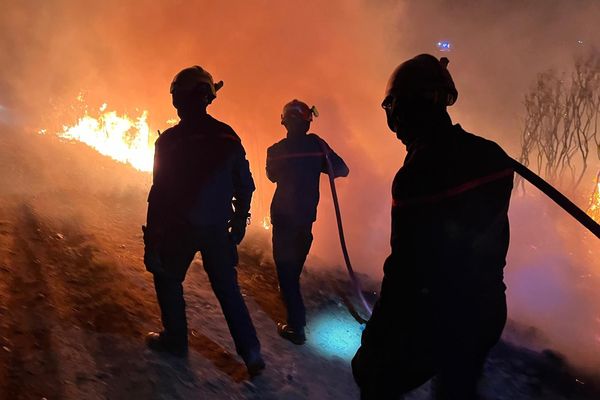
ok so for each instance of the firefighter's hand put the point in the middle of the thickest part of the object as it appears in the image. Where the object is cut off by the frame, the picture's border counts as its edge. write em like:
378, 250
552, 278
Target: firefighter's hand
237, 229
151, 254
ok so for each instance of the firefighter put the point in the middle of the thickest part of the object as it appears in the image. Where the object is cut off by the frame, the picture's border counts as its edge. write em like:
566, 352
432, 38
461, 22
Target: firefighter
442, 303
199, 201
295, 164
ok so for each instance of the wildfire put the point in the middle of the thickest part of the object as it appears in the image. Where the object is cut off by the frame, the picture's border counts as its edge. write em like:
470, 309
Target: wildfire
117, 136
124, 139
594, 208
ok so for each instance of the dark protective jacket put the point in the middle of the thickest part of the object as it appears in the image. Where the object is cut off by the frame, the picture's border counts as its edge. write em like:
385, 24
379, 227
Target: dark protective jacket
201, 175
295, 164
450, 231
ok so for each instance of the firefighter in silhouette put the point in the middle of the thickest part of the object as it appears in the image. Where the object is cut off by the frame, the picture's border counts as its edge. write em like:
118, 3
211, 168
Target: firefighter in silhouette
295, 164
442, 304
199, 201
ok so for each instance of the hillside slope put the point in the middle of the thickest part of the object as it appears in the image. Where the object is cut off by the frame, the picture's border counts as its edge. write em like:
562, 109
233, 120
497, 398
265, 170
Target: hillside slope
76, 302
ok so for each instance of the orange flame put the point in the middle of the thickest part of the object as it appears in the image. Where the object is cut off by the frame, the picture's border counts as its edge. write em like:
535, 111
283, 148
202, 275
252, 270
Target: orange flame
594, 208
117, 136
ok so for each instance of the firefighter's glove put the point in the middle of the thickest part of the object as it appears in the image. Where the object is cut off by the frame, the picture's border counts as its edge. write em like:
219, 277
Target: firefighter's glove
151, 254
237, 228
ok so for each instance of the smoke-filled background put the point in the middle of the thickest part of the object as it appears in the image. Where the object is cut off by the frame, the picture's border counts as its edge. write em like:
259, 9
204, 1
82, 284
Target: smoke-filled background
336, 55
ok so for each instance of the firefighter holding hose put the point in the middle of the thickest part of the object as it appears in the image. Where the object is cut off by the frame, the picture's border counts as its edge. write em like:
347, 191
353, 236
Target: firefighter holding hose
199, 201
442, 304
295, 164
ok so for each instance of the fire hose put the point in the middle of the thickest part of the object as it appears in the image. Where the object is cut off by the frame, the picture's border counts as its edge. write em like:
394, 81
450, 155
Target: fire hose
557, 197
338, 216
519, 168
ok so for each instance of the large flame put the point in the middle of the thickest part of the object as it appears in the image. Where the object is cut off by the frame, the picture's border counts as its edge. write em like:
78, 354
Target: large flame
117, 136
122, 138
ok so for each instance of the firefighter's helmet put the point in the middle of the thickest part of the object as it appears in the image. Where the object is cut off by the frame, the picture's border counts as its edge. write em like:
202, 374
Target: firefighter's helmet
190, 79
299, 110
423, 77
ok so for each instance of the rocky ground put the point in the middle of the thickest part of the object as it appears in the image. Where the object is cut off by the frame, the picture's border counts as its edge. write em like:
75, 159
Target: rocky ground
75, 302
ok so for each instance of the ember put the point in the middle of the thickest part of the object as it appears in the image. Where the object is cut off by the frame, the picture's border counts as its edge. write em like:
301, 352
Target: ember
266, 223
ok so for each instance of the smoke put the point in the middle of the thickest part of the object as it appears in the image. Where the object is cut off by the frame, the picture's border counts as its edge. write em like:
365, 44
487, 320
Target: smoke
553, 280
338, 56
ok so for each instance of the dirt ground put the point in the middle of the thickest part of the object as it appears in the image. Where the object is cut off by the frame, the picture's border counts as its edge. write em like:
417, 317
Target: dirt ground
76, 302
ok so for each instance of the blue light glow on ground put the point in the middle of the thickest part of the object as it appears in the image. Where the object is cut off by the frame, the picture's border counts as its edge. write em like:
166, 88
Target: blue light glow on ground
335, 334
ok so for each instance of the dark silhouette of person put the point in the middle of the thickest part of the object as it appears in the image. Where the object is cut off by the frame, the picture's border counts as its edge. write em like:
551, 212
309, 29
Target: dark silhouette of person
295, 164
442, 304
199, 201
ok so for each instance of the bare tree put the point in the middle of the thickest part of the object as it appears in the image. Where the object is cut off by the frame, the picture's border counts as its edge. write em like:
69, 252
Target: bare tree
561, 122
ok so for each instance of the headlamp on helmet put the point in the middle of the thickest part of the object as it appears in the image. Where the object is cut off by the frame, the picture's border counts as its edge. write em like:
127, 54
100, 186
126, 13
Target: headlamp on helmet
298, 110
193, 78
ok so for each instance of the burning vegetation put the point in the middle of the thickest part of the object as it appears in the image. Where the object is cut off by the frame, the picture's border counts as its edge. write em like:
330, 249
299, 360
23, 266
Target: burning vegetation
124, 139
594, 208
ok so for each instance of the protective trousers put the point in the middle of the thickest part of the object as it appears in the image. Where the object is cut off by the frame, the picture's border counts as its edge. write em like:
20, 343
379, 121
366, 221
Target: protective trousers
219, 256
291, 244
397, 357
